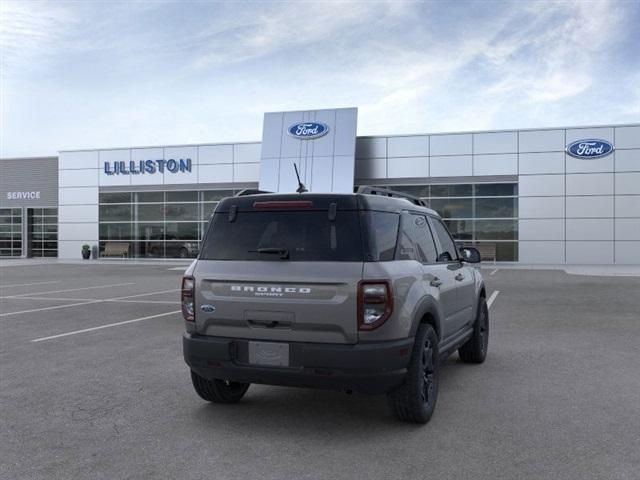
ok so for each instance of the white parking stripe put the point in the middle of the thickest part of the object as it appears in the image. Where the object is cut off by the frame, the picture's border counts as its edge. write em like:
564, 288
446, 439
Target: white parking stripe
492, 273
67, 299
87, 302
104, 326
115, 299
74, 289
146, 294
177, 302
492, 297
48, 308
27, 284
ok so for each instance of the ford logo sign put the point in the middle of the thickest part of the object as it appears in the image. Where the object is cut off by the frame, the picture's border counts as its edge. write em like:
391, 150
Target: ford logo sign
308, 130
590, 148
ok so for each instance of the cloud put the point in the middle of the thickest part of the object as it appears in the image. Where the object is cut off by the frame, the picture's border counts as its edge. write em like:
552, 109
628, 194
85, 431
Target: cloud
529, 58
270, 28
28, 29
161, 72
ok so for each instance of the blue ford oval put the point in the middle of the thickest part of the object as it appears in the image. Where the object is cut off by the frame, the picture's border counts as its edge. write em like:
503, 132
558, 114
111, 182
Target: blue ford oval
590, 148
308, 130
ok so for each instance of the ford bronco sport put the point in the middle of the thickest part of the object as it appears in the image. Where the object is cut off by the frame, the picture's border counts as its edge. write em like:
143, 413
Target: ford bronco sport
362, 292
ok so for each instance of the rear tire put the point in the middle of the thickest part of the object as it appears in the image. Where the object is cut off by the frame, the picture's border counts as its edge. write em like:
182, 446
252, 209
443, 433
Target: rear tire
415, 400
475, 350
218, 391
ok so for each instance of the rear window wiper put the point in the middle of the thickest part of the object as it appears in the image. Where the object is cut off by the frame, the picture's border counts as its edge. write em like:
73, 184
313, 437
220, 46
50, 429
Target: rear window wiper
284, 253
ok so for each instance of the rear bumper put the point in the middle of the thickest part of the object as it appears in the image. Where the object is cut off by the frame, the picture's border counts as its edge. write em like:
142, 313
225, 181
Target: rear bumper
366, 367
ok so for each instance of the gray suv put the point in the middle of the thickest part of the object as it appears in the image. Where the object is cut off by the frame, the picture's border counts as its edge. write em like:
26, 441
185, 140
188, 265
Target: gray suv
362, 292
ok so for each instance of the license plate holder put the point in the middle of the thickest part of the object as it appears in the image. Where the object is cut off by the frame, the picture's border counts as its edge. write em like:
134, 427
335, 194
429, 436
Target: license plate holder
269, 353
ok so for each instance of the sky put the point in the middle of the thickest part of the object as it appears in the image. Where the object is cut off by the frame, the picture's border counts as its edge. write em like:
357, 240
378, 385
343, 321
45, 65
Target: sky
95, 74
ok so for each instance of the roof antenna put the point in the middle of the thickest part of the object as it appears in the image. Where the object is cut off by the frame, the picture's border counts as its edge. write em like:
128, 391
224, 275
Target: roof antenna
301, 188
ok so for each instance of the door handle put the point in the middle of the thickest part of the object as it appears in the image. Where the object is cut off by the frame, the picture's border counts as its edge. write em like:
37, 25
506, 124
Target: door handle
459, 277
436, 282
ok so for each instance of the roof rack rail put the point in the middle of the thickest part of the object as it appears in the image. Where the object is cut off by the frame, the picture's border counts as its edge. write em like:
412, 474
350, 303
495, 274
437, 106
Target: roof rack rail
385, 192
250, 191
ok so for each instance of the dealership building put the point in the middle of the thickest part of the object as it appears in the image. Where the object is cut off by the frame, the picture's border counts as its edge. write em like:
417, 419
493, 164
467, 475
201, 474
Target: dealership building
536, 196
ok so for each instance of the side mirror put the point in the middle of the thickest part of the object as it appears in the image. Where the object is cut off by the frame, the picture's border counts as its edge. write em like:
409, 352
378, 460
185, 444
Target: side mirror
470, 255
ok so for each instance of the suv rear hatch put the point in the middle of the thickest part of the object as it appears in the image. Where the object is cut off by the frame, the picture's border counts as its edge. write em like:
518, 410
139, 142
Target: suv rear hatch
281, 267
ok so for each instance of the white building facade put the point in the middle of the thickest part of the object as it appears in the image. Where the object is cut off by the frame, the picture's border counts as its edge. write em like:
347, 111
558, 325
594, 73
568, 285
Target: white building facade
521, 191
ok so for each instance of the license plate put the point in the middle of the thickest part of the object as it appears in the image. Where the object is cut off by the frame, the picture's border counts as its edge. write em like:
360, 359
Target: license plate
269, 353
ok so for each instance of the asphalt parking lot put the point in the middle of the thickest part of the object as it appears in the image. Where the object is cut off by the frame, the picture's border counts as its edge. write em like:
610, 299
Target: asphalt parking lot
558, 397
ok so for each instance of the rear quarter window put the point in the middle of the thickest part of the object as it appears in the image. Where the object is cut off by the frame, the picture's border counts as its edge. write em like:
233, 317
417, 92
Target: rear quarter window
381, 234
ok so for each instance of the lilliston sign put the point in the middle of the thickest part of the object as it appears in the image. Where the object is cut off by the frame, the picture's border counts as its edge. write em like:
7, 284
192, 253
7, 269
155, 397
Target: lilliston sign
136, 167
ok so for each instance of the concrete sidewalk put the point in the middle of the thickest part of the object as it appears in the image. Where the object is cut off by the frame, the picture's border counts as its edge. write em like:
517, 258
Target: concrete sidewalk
594, 270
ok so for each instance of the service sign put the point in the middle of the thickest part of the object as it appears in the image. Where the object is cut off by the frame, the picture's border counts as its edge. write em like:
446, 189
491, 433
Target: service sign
23, 195
308, 130
589, 149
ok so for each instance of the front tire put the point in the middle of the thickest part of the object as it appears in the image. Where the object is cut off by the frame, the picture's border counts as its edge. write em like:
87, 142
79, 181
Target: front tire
475, 350
218, 391
415, 400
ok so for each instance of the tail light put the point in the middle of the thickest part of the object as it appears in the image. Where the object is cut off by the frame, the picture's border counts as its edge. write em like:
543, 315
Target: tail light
187, 298
375, 303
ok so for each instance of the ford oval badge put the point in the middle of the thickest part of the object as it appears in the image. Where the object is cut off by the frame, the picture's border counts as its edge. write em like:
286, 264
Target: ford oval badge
590, 148
308, 130
208, 308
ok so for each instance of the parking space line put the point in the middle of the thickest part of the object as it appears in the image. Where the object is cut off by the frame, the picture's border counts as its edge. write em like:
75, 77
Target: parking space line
492, 297
492, 273
48, 308
104, 326
161, 302
74, 289
28, 284
115, 299
88, 301
67, 299
146, 294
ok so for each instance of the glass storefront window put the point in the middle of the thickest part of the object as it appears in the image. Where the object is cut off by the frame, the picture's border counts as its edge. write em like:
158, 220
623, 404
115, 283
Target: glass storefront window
149, 197
149, 213
10, 232
172, 224
496, 189
216, 195
453, 207
495, 229
117, 197
462, 190
159, 224
506, 207
475, 213
181, 231
181, 197
150, 231
415, 190
115, 231
115, 213
181, 211
42, 228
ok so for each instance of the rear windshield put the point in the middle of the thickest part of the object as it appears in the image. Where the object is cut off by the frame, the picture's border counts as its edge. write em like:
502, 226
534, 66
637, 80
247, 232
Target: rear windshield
284, 236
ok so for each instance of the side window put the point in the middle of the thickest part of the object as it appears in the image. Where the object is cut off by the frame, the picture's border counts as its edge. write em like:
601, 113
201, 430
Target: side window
415, 241
380, 235
448, 251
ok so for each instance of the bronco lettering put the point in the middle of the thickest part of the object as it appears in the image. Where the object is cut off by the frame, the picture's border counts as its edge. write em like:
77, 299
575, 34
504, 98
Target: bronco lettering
274, 289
